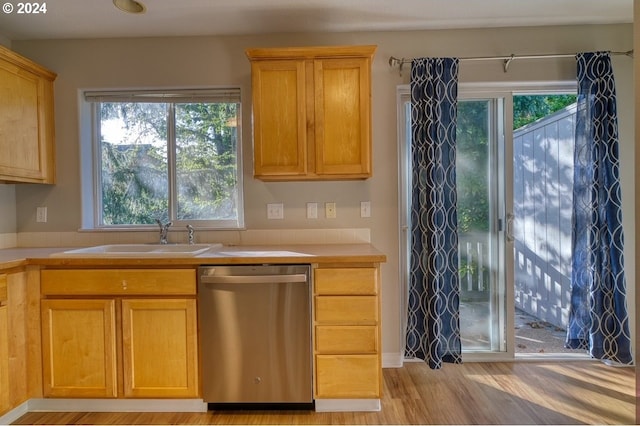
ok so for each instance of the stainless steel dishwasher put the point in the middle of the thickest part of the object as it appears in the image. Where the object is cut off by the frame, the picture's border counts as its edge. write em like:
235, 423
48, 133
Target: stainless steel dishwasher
255, 335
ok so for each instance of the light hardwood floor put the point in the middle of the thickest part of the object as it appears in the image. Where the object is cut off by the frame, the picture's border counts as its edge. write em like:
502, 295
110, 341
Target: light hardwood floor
472, 393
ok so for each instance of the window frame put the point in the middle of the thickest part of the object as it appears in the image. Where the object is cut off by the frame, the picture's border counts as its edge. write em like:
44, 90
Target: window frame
91, 159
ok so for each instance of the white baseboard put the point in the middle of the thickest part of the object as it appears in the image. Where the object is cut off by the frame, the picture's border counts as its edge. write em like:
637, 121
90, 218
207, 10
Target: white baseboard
15, 414
392, 360
160, 405
123, 405
335, 405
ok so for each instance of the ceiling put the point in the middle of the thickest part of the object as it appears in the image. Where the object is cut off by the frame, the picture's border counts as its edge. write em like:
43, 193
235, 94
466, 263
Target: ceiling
66, 19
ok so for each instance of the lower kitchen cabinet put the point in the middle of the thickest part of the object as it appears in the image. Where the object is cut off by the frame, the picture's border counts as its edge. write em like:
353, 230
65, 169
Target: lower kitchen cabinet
20, 373
347, 376
138, 343
5, 401
347, 333
79, 348
159, 346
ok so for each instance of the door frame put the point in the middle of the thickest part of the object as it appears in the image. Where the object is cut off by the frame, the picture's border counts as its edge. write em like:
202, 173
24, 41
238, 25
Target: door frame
506, 91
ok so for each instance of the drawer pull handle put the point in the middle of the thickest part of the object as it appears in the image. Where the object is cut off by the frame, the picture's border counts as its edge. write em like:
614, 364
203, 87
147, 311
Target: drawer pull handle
253, 279
124, 284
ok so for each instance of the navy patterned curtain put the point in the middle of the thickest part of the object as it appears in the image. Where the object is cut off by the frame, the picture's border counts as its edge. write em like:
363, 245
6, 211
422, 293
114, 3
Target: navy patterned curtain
433, 320
598, 319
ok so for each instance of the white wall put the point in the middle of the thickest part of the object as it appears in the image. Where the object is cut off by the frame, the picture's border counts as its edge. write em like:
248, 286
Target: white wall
7, 208
195, 61
7, 192
5, 41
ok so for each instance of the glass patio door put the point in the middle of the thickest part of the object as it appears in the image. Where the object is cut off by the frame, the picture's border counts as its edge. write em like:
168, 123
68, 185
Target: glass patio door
485, 253
482, 224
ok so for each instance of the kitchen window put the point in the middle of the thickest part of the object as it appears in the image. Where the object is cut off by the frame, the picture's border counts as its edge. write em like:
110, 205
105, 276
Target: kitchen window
168, 155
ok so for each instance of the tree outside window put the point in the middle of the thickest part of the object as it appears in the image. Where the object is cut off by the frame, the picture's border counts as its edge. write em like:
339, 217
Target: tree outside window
163, 160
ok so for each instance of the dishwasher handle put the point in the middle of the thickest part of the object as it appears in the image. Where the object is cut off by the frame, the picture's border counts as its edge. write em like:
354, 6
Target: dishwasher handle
253, 279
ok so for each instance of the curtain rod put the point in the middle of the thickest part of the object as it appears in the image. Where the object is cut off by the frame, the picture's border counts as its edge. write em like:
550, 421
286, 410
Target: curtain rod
399, 62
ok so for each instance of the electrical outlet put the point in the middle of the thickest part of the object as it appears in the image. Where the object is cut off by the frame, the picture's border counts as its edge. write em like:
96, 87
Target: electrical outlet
312, 210
41, 214
275, 211
365, 209
330, 210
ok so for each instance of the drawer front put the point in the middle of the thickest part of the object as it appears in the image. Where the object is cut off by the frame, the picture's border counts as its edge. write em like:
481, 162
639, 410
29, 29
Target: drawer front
338, 281
346, 309
347, 376
81, 282
346, 339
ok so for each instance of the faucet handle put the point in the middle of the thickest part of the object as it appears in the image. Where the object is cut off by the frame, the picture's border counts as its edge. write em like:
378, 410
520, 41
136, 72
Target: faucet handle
191, 231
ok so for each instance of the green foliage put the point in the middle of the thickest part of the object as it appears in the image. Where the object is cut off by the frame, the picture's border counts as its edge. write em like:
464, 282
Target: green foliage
135, 146
529, 108
472, 165
473, 152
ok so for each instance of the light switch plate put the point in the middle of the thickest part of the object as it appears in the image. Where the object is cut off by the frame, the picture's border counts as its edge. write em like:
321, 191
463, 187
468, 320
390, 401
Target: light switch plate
312, 210
365, 209
41, 214
275, 211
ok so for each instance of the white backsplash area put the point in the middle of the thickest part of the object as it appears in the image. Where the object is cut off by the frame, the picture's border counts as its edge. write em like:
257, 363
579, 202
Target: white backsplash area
8, 240
246, 237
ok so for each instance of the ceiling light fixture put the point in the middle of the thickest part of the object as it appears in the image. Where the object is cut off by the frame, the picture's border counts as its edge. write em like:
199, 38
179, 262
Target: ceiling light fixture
130, 6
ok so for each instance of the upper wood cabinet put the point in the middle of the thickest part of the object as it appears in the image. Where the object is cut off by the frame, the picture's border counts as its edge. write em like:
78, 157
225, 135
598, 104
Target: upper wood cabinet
311, 112
27, 148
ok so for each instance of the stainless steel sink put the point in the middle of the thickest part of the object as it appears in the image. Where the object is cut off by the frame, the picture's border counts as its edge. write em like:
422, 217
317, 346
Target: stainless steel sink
139, 250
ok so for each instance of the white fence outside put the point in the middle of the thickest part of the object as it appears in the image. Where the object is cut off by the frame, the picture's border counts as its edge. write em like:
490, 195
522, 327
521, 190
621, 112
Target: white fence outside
543, 183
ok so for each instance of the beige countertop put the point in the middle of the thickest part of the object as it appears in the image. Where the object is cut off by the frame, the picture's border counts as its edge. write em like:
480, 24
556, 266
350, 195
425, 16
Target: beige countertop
306, 253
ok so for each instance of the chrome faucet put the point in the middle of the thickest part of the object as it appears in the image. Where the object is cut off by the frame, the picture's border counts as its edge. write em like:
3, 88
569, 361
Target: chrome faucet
164, 229
191, 231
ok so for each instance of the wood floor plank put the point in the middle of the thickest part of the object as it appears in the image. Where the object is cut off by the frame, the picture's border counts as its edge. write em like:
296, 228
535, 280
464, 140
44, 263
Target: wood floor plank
472, 393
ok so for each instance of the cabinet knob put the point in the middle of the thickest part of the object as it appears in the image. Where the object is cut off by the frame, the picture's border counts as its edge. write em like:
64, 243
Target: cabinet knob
124, 284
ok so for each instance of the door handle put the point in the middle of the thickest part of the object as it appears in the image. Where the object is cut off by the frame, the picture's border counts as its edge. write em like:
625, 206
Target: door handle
510, 234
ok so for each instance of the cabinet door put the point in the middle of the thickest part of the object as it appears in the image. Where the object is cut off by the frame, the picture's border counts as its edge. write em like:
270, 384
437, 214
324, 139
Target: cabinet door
279, 118
26, 120
5, 401
159, 342
79, 348
343, 117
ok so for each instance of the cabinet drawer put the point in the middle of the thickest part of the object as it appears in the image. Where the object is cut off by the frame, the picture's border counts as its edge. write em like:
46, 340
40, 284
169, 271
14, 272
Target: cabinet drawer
341, 339
346, 281
347, 376
347, 309
82, 282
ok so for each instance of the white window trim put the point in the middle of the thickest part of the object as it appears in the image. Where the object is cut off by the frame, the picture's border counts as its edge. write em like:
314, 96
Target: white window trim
89, 158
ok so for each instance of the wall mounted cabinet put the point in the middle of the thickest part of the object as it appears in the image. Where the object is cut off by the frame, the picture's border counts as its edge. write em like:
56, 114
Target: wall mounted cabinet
311, 112
27, 148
